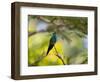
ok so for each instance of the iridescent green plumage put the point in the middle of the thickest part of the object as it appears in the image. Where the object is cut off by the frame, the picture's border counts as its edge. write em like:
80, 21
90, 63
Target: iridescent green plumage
52, 42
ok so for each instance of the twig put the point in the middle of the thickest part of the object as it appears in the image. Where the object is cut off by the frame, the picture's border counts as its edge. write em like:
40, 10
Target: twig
43, 56
32, 33
38, 60
49, 23
43, 19
59, 56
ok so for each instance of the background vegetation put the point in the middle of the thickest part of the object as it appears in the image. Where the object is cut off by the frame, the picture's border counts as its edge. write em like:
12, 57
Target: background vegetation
71, 46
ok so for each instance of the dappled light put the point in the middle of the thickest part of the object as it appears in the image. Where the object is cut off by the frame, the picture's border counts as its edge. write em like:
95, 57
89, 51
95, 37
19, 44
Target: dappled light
64, 38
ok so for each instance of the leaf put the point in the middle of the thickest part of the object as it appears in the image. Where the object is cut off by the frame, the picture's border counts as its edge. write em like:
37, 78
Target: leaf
36, 45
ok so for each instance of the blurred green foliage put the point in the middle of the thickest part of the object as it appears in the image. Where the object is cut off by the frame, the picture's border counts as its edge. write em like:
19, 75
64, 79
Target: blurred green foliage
70, 44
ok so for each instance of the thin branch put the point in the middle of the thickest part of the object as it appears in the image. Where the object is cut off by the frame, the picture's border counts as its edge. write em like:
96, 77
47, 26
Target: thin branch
53, 24
48, 21
32, 33
43, 19
59, 56
43, 56
38, 60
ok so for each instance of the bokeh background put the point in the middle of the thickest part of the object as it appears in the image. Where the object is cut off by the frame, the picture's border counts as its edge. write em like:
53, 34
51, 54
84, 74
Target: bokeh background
71, 45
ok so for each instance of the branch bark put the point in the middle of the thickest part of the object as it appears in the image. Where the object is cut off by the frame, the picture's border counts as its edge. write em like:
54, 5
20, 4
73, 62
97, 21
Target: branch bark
59, 57
32, 33
38, 60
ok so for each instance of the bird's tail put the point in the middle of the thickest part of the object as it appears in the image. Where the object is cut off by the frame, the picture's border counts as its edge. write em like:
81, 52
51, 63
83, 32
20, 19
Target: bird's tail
47, 52
49, 48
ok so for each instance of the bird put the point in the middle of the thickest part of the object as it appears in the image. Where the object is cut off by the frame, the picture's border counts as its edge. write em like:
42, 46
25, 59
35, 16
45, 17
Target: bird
52, 42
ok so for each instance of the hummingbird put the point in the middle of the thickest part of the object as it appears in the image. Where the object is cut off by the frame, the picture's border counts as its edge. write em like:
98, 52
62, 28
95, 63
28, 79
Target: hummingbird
52, 42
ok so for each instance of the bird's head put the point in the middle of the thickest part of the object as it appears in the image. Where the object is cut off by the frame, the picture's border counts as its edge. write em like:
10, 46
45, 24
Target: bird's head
54, 33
